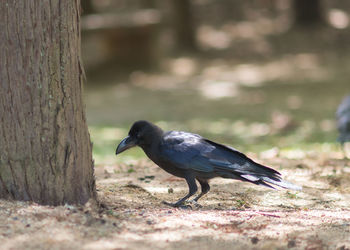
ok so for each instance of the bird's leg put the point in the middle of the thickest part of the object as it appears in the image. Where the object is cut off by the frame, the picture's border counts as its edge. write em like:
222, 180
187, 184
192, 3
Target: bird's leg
191, 182
205, 189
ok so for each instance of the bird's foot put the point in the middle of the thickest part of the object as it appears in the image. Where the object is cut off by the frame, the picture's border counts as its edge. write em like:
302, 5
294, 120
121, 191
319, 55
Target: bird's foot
179, 205
195, 203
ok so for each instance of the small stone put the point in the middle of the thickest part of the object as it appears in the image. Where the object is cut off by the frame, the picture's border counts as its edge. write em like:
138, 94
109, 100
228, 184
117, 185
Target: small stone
291, 243
254, 240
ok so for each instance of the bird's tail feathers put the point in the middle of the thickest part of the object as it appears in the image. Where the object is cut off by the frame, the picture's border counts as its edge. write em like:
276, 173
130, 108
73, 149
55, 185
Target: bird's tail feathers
260, 175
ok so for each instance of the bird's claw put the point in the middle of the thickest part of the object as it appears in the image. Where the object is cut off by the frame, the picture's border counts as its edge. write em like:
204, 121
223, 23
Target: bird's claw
195, 203
179, 205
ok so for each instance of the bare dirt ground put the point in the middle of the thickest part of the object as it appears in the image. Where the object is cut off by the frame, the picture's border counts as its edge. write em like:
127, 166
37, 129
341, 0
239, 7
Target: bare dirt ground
234, 215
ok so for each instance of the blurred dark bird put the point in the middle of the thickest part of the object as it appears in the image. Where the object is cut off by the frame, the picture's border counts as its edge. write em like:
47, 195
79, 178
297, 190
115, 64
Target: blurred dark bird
343, 123
343, 120
193, 157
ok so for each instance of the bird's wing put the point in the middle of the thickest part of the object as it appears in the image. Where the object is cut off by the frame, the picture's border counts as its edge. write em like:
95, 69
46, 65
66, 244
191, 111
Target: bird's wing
245, 168
228, 158
186, 151
191, 151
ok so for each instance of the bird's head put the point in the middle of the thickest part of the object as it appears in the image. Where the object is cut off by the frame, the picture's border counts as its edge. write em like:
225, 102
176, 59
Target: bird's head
141, 133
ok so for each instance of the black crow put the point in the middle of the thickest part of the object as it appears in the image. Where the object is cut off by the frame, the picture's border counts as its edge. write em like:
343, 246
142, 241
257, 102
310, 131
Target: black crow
343, 123
193, 157
343, 120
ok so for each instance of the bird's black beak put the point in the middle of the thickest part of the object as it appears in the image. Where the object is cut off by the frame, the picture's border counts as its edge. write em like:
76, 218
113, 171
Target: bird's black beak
125, 144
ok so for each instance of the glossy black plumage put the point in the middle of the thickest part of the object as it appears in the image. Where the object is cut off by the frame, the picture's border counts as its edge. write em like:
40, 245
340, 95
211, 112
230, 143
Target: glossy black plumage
193, 157
343, 120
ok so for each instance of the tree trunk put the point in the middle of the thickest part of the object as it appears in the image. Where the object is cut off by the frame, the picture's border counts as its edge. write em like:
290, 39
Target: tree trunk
87, 7
307, 12
184, 24
45, 149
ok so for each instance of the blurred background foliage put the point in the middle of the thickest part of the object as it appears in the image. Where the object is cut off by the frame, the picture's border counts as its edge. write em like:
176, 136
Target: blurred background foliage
264, 76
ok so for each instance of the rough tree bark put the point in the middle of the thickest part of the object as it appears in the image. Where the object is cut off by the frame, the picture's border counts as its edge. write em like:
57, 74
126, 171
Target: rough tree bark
45, 149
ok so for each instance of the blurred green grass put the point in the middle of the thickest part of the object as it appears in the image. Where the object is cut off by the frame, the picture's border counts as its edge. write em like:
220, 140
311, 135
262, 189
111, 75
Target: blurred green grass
289, 114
